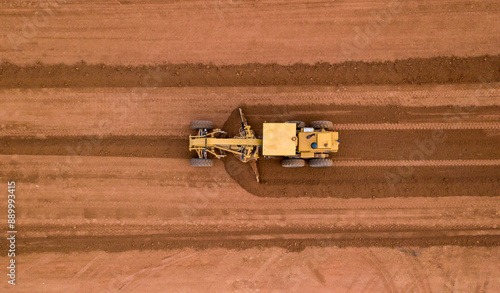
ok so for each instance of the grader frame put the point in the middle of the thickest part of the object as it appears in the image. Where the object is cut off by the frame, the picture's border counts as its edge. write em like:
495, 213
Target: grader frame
291, 140
245, 146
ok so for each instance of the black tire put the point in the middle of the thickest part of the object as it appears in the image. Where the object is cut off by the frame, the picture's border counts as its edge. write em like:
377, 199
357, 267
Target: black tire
328, 125
201, 124
320, 163
293, 163
197, 162
300, 124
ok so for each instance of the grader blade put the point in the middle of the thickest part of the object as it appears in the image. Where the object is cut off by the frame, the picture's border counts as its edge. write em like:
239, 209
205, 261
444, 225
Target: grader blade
253, 165
243, 119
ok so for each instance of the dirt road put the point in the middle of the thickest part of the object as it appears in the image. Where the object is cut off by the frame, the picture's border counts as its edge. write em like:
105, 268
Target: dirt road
110, 171
378, 125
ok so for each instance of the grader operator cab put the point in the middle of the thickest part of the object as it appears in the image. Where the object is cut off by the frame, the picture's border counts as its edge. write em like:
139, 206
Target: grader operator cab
291, 140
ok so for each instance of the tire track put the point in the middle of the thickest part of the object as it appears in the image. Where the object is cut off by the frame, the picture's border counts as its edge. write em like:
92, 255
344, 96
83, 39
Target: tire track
422, 163
418, 126
263, 229
292, 240
43, 133
318, 206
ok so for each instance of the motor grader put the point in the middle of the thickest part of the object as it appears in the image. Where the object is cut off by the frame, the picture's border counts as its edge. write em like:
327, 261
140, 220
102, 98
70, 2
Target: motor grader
291, 140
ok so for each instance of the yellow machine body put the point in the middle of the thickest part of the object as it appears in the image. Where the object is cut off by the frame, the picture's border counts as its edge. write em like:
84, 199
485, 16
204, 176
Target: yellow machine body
283, 139
326, 141
201, 142
279, 139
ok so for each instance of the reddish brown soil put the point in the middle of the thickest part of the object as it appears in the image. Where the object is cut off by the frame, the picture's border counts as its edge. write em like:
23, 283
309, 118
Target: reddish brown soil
237, 241
410, 71
116, 146
116, 204
318, 269
106, 199
138, 193
137, 32
343, 182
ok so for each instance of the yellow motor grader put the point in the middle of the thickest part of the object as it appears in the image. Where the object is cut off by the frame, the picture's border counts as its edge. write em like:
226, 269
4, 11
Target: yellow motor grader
291, 140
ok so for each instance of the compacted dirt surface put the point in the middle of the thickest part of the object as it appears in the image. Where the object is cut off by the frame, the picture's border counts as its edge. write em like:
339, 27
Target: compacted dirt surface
136, 32
96, 98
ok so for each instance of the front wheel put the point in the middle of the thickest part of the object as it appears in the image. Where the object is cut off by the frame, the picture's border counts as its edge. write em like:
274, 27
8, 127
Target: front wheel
320, 163
197, 162
201, 124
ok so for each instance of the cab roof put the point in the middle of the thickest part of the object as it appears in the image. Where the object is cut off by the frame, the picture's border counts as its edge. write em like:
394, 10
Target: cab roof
279, 139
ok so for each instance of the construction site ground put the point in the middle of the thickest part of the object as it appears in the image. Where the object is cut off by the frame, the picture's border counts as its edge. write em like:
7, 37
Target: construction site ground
94, 126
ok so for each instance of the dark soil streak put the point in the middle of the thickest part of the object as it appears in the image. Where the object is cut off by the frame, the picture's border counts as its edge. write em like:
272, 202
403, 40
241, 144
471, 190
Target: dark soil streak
71, 244
480, 69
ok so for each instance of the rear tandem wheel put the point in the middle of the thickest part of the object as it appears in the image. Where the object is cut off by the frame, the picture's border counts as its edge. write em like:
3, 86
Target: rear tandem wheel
293, 163
319, 163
